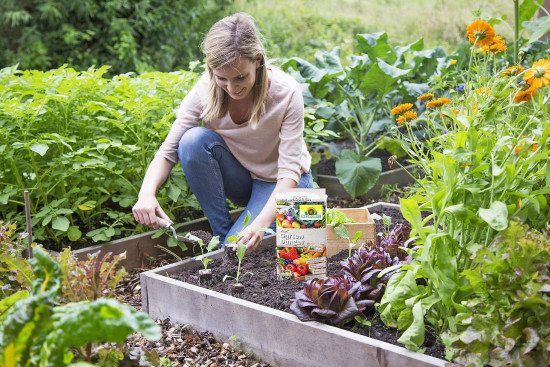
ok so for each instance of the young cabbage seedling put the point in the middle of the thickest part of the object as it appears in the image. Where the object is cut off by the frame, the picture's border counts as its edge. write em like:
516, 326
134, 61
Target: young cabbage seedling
342, 231
241, 250
386, 220
205, 274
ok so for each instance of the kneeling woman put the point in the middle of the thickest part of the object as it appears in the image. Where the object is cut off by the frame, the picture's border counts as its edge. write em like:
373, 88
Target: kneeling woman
250, 145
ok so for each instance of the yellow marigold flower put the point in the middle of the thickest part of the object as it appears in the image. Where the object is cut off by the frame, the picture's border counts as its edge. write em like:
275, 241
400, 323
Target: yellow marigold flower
498, 45
438, 102
482, 90
480, 33
400, 120
525, 95
425, 96
474, 107
539, 74
512, 70
452, 62
401, 108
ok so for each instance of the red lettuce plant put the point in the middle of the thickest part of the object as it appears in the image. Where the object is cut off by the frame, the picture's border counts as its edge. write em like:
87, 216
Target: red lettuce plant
369, 261
328, 300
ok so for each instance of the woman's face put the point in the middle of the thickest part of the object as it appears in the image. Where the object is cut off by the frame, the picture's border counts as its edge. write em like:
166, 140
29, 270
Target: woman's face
238, 77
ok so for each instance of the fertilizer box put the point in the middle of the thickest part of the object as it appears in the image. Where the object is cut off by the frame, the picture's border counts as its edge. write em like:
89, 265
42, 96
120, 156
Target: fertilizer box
301, 234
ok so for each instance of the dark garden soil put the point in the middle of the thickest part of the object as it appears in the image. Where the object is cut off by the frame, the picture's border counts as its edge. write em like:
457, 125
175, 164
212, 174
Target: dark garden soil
262, 287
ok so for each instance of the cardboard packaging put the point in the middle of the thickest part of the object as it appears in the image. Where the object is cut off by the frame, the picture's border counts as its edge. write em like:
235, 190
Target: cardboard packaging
363, 222
301, 234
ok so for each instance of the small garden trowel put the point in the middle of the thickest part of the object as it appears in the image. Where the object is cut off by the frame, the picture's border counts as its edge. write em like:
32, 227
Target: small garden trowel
164, 224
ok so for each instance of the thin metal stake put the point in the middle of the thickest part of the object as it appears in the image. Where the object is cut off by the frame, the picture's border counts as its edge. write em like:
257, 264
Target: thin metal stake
28, 219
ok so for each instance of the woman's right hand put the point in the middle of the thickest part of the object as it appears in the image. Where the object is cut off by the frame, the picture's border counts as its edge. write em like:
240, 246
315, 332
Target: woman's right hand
146, 211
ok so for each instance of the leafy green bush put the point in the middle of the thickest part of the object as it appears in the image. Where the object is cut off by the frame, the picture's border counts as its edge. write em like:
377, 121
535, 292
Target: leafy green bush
37, 331
80, 143
357, 98
138, 35
485, 161
507, 321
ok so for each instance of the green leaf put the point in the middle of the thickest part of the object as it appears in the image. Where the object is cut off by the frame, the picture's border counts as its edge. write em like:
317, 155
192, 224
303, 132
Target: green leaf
413, 337
341, 231
382, 77
375, 45
74, 233
496, 216
60, 223
539, 27
214, 242
356, 236
527, 10
39, 148
411, 212
246, 219
7, 303
358, 174
241, 250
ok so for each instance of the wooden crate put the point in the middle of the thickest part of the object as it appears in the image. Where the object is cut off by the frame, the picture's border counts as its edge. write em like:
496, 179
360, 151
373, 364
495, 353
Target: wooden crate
364, 223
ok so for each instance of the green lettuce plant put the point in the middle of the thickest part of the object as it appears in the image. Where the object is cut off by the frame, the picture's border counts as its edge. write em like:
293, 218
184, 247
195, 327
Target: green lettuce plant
507, 318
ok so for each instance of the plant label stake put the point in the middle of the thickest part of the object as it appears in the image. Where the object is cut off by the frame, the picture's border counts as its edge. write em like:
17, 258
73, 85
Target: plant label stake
28, 220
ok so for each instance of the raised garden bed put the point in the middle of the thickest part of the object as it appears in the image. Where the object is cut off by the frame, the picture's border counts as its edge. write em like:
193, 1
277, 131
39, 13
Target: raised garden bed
141, 247
398, 176
275, 336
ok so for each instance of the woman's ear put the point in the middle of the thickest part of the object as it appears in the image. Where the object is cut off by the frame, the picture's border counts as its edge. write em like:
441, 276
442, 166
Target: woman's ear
259, 60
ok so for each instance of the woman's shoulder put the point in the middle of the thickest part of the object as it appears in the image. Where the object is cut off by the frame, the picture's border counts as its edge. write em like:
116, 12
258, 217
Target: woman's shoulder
281, 82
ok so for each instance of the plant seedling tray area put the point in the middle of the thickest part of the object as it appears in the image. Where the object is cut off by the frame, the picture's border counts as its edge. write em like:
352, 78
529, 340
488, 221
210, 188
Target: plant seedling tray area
274, 336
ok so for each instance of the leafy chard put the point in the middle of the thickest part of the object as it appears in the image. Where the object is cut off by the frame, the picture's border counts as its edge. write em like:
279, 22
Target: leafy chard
328, 300
57, 328
15, 272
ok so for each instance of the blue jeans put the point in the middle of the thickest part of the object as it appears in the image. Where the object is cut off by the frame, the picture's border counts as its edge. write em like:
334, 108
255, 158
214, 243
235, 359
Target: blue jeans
214, 174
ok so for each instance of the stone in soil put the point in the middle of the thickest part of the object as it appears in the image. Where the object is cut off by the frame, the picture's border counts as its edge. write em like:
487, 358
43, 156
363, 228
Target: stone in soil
263, 287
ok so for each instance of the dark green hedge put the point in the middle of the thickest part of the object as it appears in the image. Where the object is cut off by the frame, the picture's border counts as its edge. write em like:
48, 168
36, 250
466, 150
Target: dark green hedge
129, 35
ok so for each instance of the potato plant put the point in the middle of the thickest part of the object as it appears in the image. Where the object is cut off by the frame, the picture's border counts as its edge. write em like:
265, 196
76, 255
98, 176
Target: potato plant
80, 143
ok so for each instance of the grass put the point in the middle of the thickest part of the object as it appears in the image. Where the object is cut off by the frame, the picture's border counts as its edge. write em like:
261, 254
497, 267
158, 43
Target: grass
300, 27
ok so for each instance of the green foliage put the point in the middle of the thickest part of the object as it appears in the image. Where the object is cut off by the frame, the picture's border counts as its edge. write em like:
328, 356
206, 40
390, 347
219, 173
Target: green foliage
138, 35
90, 279
485, 161
80, 143
15, 272
38, 332
357, 98
508, 316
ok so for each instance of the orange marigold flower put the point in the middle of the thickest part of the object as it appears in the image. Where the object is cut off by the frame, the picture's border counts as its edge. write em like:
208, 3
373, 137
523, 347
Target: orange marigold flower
520, 204
400, 120
534, 147
512, 70
425, 96
498, 45
539, 74
410, 115
517, 150
480, 33
474, 107
525, 95
438, 102
401, 108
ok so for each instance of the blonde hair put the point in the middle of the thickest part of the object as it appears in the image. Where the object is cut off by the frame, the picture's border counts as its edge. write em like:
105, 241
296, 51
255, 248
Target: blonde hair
228, 39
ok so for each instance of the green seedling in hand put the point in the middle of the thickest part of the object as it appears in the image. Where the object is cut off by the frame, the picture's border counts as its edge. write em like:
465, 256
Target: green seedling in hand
214, 242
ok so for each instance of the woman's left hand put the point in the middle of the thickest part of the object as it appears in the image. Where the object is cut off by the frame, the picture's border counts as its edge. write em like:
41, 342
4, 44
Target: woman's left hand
252, 237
